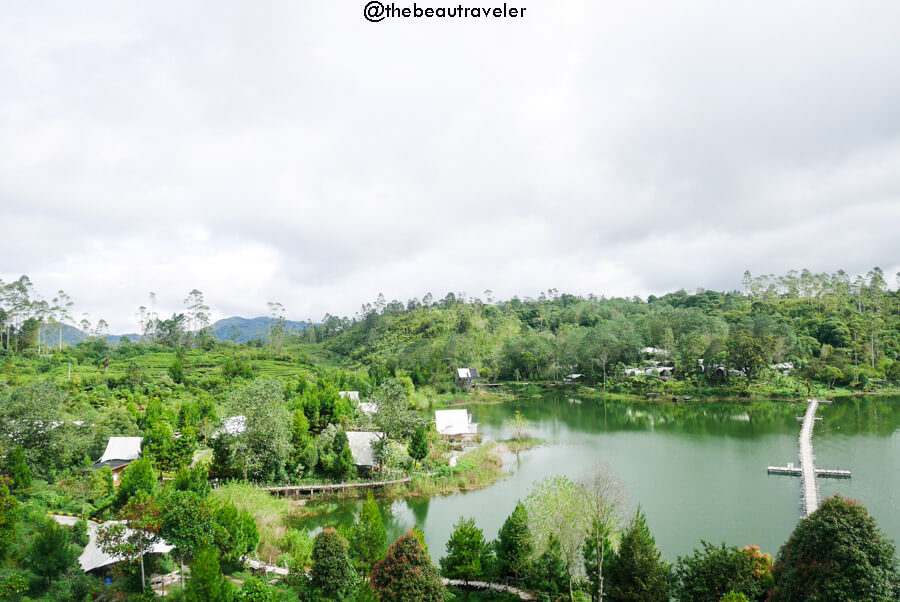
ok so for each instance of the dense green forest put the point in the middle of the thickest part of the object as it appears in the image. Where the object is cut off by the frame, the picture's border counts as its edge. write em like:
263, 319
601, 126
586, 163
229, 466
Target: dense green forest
835, 330
198, 485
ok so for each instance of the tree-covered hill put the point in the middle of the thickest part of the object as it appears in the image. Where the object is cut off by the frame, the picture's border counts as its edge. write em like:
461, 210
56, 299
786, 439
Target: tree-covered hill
834, 329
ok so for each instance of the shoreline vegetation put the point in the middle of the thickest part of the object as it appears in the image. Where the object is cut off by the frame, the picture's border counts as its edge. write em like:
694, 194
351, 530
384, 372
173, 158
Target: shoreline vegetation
517, 445
510, 392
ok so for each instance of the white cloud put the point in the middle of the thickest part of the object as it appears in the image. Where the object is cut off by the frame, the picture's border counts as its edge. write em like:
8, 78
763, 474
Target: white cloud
295, 152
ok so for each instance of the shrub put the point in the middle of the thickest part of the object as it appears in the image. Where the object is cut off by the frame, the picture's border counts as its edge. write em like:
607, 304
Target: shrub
332, 573
711, 573
407, 574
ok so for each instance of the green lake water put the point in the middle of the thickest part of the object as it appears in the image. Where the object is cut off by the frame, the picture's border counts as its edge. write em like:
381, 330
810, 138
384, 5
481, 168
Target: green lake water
698, 470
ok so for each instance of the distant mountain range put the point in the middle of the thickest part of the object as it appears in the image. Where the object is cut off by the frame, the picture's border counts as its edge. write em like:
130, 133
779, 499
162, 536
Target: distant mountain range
237, 329
241, 330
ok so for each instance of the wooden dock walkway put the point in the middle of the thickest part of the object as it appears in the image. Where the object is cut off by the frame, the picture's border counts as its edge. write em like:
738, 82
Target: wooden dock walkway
299, 490
808, 460
807, 470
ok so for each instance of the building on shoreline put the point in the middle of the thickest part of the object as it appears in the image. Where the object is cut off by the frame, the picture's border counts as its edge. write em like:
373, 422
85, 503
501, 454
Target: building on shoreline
466, 377
360, 443
455, 424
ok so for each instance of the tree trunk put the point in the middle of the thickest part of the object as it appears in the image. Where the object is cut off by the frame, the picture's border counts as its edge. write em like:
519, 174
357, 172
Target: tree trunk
143, 580
182, 575
600, 557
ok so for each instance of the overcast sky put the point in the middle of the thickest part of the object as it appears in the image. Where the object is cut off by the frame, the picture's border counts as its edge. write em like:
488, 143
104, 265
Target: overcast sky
294, 152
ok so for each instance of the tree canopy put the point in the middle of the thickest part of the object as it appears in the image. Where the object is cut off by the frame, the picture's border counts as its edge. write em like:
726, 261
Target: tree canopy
637, 571
514, 545
332, 573
712, 572
406, 573
837, 553
468, 554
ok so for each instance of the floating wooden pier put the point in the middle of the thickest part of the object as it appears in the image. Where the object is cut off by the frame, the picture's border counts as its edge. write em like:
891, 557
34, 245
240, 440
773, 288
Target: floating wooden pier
807, 470
794, 471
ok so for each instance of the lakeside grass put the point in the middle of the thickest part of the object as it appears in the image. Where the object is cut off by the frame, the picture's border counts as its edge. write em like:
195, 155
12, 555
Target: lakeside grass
272, 514
516, 445
475, 469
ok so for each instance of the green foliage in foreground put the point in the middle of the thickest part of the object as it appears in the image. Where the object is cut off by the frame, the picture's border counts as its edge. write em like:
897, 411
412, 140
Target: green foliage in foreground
837, 553
406, 573
637, 571
51, 551
713, 572
468, 555
514, 545
207, 582
368, 538
9, 512
332, 575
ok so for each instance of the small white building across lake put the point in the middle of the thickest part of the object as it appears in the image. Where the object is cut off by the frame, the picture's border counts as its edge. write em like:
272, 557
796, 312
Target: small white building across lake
455, 423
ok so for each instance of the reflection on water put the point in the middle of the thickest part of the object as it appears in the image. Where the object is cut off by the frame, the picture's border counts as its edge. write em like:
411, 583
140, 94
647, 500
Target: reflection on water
698, 470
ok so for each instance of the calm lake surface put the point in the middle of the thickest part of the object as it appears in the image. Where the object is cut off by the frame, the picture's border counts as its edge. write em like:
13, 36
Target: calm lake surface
698, 470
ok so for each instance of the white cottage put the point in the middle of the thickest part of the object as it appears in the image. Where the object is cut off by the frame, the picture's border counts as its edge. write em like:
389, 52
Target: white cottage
360, 443
456, 424
120, 452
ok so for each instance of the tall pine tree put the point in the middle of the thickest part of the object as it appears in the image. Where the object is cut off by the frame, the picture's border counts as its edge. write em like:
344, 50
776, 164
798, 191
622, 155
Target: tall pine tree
547, 573
369, 540
344, 468
637, 571
51, 552
418, 445
514, 545
468, 554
